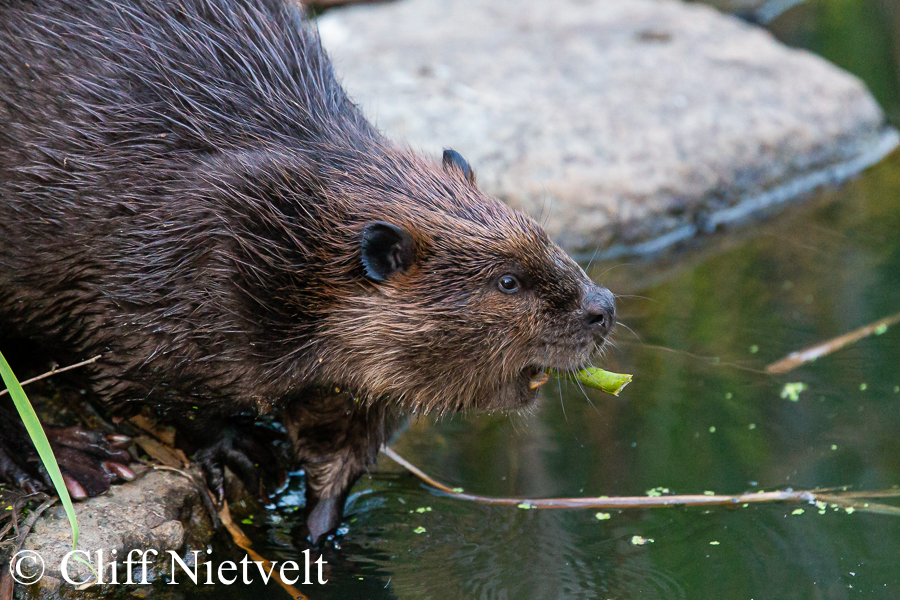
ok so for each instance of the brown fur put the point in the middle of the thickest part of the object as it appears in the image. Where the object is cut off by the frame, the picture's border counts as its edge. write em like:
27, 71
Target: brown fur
185, 188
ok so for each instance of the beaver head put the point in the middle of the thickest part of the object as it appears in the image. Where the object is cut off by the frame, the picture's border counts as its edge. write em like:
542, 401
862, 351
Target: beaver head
417, 288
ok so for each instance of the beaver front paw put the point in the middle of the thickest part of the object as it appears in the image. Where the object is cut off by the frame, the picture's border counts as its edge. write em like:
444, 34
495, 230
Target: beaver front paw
90, 461
249, 451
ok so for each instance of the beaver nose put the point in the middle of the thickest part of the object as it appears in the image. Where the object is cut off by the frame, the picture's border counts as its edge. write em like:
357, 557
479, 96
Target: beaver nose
599, 309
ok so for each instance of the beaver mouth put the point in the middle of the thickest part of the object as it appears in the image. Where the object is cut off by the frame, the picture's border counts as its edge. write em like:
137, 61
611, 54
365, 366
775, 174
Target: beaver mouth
536, 377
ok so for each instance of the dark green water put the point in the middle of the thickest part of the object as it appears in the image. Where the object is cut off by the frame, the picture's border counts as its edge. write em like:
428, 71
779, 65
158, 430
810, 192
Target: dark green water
697, 419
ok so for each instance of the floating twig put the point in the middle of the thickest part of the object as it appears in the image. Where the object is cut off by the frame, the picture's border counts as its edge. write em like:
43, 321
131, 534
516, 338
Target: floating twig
850, 500
801, 357
245, 544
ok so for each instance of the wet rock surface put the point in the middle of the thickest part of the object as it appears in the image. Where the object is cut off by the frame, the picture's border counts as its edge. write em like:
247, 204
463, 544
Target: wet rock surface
615, 122
161, 510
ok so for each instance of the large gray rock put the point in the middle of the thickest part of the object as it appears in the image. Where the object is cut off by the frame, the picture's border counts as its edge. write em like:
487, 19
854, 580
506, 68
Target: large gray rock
160, 511
617, 122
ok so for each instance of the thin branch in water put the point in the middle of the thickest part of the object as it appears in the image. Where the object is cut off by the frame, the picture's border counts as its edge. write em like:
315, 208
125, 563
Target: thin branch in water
52, 372
796, 359
223, 517
849, 500
244, 543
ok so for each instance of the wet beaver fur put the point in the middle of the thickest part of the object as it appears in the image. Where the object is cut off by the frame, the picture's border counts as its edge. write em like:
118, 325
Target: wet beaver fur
186, 189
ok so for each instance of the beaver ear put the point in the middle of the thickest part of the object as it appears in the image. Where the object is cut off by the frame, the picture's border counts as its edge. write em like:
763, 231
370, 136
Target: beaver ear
386, 249
453, 160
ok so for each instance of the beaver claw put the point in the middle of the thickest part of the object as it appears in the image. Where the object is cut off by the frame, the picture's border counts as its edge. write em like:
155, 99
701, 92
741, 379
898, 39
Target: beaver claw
246, 452
89, 461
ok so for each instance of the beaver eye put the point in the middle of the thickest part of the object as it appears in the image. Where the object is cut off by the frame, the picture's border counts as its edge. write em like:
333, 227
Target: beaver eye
508, 284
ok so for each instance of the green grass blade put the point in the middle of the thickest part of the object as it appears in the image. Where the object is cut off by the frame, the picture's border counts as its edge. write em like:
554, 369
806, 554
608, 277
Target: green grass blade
41, 443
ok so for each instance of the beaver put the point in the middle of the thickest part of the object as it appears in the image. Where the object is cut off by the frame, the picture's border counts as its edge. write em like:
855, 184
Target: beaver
186, 190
